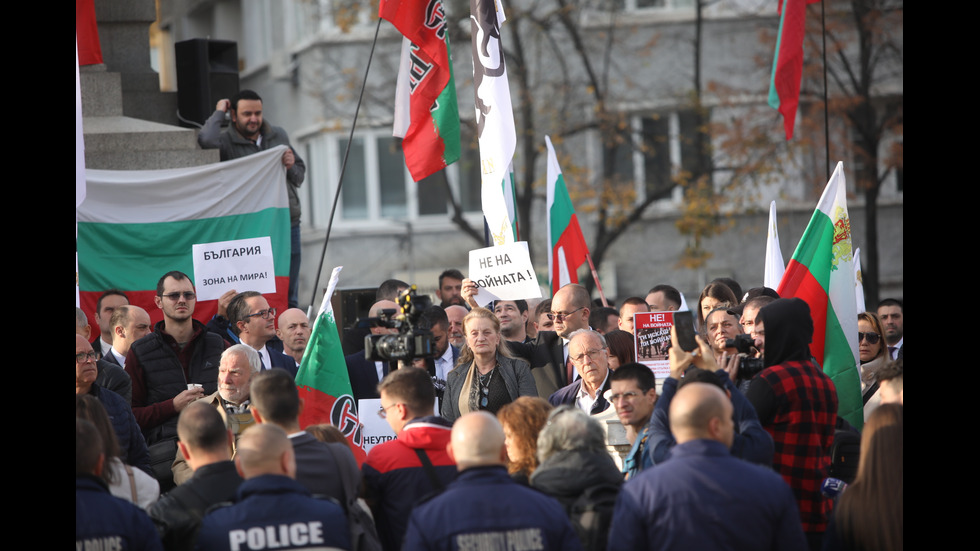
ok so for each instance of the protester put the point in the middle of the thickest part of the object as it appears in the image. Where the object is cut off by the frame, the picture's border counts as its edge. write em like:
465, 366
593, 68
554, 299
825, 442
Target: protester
714, 295
622, 348
874, 355
124, 480
871, 512
523, 420
486, 376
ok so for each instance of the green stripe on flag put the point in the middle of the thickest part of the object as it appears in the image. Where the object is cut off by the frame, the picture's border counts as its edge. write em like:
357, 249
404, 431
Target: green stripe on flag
134, 266
561, 210
814, 250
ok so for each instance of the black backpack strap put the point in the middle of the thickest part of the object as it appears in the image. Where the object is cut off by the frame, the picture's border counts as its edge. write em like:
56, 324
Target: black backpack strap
430, 470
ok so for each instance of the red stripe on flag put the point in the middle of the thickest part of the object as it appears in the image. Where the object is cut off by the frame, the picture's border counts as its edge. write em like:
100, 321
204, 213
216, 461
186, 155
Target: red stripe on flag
798, 282
320, 407
203, 311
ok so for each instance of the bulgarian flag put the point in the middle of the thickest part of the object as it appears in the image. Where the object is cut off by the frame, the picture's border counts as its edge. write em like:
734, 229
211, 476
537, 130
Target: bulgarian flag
426, 113
787, 64
568, 248
136, 225
821, 273
323, 382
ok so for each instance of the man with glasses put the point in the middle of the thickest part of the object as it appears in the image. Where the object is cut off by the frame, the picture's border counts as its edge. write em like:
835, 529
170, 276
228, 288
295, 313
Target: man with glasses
632, 391
587, 352
170, 368
254, 323
399, 472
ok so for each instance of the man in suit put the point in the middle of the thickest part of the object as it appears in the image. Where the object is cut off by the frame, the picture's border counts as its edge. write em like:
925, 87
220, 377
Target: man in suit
548, 354
365, 374
254, 322
276, 401
104, 308
129, 324
294, 330
588, 353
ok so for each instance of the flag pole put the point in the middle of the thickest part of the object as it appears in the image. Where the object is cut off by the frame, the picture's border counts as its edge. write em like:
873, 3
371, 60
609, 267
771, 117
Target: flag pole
595, 277
343, 166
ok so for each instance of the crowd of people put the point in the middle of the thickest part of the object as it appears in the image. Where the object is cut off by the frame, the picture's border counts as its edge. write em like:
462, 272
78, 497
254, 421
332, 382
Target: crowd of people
188, 433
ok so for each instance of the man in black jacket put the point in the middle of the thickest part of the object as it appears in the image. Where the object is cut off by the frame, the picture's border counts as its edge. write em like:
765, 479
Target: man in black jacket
205, 444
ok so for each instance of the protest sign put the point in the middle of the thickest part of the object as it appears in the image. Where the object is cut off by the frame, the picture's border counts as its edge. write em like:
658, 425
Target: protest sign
242, 264
374, 429
503, 272
652, 330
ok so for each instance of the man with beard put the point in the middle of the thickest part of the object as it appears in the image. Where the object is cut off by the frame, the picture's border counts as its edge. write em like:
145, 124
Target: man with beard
294, 331
238, 364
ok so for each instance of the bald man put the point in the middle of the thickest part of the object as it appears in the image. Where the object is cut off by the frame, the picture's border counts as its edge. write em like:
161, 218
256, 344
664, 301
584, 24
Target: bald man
456, 313
365, 374
511, 515
294, 331
272, 510
703, 497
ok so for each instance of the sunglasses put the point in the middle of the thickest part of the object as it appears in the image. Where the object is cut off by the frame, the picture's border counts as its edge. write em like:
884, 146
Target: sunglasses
872, 338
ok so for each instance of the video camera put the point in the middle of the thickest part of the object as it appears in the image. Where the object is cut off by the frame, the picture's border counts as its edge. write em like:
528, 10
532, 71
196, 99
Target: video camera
748, 366
411, 341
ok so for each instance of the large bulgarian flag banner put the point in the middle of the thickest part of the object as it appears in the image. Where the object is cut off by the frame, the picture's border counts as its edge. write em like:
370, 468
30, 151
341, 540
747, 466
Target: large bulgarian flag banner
430, 123
567, 245
323, 382
136, 225
821, 273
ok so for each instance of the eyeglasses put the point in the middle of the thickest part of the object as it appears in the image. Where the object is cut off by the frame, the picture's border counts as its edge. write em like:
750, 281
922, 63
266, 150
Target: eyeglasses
264, 314
872, 338
383, 412
560, 316
614, 398
591, 353
82, 357
174, 297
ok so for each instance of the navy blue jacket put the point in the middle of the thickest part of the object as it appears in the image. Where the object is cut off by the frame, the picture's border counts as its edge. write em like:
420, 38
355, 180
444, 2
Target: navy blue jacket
569, 394
282, 361
103, 521
131, 442
485, 505
277, 508
752, 442
704, 498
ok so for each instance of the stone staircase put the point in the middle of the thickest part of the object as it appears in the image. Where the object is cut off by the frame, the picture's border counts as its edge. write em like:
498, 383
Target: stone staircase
117, 142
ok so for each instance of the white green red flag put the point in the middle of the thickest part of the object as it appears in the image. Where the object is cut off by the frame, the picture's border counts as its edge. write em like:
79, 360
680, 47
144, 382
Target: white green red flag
323, 382
136, 225
568, 248
821, 273
426, 112
494, 115
775, 267
787, 63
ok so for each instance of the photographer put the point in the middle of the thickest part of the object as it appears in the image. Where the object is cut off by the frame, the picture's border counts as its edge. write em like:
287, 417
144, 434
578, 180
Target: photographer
751, 443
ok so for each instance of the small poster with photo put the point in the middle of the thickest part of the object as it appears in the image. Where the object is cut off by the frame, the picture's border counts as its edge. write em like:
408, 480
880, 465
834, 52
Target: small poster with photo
652, 331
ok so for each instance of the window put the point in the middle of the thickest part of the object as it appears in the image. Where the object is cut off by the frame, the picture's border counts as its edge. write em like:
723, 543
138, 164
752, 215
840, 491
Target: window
377, 185
658, 147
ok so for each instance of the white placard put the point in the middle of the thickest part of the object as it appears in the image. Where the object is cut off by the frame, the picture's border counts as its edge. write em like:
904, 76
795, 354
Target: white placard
243, 265
503, 272
374, 429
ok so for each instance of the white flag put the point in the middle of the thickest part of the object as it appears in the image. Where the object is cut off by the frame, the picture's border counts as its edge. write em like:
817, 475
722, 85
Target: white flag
494, 115
774, 256
858, 281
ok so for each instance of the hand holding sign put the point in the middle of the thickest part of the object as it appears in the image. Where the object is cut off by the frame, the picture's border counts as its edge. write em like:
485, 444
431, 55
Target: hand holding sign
502, 272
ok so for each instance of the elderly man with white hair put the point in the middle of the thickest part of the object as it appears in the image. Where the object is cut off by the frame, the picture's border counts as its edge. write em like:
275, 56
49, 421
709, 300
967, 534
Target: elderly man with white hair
238, 364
